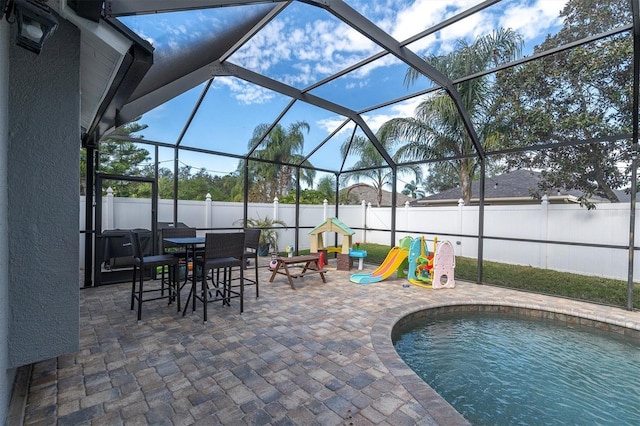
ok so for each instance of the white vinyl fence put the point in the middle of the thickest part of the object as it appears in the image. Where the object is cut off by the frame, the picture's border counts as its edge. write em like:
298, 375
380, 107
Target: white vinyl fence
608, 225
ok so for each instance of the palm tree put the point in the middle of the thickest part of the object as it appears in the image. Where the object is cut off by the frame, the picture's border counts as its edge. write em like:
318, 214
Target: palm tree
282, 148
371, 166
437, 130
327, 187
411, 189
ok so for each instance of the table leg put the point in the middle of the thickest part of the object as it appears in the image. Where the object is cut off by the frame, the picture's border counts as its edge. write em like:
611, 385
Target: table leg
286, 272
289, 276
324, 280
186, 305
186, 263
274, 272
191, 297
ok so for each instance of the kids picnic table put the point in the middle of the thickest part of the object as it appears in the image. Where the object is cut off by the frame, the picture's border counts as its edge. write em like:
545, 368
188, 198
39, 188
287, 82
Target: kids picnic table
289, 266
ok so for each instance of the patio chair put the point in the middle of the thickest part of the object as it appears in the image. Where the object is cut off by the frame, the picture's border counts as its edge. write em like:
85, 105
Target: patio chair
251, 242
223, 253
140, 262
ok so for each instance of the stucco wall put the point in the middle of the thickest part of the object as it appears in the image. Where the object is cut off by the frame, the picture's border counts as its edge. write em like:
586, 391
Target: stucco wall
7, 374
43, 180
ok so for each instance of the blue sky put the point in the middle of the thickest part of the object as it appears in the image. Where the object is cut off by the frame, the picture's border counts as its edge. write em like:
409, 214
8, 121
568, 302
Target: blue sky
303, 45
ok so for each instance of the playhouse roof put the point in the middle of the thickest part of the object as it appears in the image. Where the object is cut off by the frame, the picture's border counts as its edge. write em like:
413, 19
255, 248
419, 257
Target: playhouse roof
332, 224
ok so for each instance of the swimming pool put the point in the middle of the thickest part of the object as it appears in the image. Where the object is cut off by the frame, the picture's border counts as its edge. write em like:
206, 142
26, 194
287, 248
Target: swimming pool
512, 369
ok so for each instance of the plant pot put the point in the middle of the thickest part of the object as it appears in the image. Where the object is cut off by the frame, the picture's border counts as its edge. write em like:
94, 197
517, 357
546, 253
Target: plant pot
263, 249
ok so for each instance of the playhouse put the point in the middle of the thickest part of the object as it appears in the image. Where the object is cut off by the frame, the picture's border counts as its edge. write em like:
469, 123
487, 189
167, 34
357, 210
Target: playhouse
333, 225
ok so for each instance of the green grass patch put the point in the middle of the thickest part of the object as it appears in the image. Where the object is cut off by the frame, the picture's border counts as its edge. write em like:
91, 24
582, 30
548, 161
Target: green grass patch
575, 286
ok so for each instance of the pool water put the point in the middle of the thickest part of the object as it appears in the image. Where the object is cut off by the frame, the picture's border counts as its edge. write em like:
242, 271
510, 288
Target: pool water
505, 370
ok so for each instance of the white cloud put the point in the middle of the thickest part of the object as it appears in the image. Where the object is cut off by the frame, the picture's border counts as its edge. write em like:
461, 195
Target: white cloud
300, 49
245, 93
265, 49
423, 14
533, 20
357, 84
374, 120
318, 48
402, 109
322, 47
332, 123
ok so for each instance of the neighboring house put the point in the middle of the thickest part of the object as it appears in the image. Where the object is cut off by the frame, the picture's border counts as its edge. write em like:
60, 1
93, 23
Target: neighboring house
369, 194
515, 187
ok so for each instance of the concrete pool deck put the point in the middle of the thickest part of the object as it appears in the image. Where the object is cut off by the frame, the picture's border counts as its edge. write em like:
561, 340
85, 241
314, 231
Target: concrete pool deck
321, 354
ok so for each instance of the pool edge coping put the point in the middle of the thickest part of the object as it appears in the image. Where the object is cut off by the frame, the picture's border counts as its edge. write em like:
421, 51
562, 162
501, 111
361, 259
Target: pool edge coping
438, 408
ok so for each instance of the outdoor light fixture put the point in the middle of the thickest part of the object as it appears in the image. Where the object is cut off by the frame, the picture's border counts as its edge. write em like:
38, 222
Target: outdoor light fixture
36, 22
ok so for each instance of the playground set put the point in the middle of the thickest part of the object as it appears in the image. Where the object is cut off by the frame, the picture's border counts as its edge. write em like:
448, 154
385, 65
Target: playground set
424, 269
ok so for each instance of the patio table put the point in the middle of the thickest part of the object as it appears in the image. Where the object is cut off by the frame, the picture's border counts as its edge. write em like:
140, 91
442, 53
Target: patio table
308, 263
190, 244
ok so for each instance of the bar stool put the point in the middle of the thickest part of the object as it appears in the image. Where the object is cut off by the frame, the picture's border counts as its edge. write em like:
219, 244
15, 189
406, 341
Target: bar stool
251, 242
140, 262
223, 253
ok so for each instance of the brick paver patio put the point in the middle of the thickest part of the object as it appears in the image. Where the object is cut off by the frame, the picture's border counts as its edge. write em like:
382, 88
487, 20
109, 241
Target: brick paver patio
318, 355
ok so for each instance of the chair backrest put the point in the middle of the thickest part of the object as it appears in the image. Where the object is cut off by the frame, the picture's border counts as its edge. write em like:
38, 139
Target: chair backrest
252, 238
136, 247
175, 233
224, 244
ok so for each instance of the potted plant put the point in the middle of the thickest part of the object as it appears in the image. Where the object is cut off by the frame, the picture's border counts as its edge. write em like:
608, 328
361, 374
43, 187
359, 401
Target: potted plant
268, 235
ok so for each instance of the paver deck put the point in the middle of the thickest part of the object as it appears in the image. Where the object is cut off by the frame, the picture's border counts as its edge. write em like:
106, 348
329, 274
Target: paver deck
320, 355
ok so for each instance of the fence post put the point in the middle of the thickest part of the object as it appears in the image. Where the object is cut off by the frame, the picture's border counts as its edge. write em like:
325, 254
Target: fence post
208, 208
325, 206
364, 220
276, 202
276, 205
110, 220
406, 216
459, 248
367, 220
544, 219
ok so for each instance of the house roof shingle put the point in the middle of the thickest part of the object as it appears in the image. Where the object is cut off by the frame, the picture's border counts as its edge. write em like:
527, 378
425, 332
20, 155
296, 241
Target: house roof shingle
516, 184
369, 194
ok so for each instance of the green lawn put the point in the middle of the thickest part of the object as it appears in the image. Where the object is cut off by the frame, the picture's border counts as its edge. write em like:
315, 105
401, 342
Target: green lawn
594, 289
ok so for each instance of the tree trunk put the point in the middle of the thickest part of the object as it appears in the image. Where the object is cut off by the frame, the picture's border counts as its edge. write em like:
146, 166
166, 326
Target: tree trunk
465, 183
607, 191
